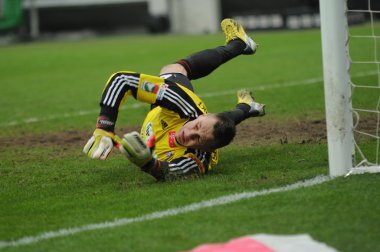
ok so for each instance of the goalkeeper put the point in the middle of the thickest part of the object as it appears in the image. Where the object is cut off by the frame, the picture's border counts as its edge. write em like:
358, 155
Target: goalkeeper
178, 138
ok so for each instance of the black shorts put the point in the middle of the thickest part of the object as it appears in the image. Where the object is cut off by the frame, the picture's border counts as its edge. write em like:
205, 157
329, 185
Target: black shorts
178, 78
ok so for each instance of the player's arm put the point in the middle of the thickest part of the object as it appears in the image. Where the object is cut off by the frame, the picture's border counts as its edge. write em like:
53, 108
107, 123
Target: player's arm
144, 88
179, 168
148, 89
140, 153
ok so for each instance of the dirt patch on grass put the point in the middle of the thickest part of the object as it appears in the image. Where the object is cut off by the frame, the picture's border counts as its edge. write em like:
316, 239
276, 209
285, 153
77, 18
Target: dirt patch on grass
250, 132
256, 132
68, 138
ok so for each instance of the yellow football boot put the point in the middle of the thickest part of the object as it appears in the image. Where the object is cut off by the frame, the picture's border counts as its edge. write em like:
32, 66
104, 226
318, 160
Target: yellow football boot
233, 30
245, 97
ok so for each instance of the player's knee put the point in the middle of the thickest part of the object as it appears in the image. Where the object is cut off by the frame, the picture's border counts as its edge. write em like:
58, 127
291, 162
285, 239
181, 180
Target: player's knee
173, 68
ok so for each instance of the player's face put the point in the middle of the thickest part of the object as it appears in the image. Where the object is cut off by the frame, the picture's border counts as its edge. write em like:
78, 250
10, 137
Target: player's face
198, 133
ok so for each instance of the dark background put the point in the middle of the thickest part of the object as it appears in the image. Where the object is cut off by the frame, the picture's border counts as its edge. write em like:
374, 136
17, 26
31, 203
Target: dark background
135, 16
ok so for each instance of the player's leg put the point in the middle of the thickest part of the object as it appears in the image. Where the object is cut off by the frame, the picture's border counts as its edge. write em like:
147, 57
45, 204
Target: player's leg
204, 62
246, 107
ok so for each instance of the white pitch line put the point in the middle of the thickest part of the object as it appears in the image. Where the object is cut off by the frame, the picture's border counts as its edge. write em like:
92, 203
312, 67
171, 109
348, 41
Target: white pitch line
223, 200
205, 95
138, 105
65, 115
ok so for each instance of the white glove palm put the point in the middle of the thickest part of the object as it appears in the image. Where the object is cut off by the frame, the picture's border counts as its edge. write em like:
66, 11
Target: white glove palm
99, 145
134, 148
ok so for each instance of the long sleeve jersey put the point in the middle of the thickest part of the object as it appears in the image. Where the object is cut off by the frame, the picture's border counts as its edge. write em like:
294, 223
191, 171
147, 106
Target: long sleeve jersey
174, 105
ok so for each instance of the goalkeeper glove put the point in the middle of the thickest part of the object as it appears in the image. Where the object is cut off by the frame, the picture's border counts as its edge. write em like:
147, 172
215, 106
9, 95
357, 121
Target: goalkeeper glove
99, 145
136, 151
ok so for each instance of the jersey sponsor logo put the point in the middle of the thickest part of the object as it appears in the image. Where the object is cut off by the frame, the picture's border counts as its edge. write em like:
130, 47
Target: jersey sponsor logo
161, 91
202, 107
148, 130
164, 124
150, 87
214, 159
172, 143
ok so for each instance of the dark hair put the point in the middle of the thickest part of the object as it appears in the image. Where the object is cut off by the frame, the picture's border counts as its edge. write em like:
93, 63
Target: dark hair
224, 131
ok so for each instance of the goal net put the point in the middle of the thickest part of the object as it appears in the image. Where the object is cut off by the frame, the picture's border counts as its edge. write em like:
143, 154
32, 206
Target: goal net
351, 63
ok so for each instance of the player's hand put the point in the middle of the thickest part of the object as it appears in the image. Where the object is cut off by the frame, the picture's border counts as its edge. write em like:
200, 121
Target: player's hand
136, 151
99, 145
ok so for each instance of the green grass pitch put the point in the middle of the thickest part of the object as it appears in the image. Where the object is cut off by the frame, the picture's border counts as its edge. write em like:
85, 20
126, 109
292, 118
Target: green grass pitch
53, 88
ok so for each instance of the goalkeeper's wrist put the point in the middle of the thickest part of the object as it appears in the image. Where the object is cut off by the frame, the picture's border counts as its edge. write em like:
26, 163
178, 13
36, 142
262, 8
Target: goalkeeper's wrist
105, 123
107, 118
152, 164
153, 167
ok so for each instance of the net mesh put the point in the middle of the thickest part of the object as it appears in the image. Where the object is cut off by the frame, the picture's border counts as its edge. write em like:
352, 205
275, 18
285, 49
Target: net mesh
364, 55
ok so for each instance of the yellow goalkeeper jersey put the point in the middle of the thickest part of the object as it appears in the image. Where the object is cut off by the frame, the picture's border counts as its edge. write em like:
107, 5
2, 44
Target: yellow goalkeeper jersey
174, 106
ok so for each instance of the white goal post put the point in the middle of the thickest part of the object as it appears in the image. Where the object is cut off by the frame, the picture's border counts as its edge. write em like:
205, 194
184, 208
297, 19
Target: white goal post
337, 88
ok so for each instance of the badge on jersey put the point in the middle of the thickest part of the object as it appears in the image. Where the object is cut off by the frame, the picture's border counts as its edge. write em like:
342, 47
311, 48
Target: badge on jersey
150, 87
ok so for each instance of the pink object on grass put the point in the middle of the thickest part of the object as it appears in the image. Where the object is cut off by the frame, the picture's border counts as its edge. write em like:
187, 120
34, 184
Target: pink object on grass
244, 244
